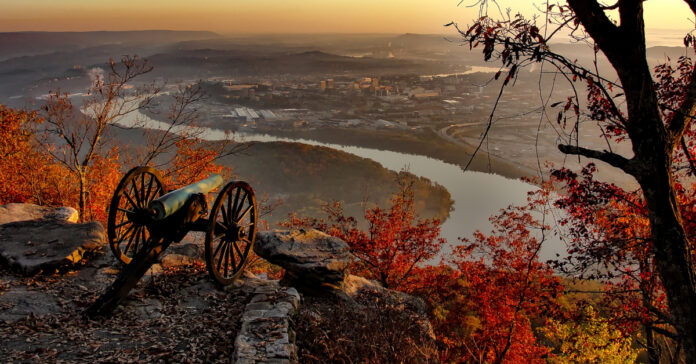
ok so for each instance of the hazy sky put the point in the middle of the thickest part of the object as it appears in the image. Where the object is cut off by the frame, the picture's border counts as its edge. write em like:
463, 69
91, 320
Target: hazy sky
277, 16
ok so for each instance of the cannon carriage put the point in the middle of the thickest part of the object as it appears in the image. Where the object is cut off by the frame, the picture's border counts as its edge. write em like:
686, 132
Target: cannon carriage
145, 218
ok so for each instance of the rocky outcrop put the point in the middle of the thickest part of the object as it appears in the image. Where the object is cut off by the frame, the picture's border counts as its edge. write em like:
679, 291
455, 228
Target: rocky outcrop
35, 238
313, 261
317, 265
354, 286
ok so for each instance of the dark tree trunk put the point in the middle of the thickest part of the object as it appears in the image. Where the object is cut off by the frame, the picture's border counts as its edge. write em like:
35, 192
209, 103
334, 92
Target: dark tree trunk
672, 255
83, 195
651, 345
653, 146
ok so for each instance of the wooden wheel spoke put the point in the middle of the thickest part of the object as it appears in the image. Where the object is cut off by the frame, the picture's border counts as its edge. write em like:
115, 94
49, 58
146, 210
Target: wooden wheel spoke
240, 206
123, 224
136, 194
237, 249
245, 213
130, 240
230, 206
130, 199
224, 214
122, 216
125, 234
228, 253
217, 250
156, 191
246, 245
233, 261
222, 254
220, 230
142, 187
126, 210
233, 210
148, 196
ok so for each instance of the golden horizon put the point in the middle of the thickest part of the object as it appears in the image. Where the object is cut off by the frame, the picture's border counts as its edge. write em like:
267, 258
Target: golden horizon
270, 17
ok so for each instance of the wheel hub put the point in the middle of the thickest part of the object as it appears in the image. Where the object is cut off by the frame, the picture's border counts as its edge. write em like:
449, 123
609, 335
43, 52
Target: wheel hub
235, 233
140, 216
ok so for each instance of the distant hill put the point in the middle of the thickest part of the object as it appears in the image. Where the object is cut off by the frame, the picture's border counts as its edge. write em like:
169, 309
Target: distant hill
203, 63
33, 43
660, 54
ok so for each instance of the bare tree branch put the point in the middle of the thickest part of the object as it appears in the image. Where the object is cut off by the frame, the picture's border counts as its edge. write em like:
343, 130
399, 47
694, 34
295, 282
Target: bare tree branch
598, 25
610, 158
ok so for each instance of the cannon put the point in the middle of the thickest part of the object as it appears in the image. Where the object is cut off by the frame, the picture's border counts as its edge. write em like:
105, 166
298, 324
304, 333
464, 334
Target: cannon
145, 218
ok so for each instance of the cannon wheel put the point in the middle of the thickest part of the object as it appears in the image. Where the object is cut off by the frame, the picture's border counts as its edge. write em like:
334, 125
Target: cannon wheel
127, 230
231, 232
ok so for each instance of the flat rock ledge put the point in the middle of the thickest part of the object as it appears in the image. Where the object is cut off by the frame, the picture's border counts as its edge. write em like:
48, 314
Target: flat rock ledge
13, 212
313, 261
267, 334
36, 238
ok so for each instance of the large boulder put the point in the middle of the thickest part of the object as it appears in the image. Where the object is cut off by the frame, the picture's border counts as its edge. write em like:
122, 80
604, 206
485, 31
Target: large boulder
14, 212
313, 261
35, 238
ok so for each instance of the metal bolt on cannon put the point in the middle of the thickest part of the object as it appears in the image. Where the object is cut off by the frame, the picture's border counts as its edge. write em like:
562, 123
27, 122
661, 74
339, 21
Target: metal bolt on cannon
144, 219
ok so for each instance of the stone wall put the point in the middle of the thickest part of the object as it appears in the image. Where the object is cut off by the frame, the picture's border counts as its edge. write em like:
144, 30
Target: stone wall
267, 334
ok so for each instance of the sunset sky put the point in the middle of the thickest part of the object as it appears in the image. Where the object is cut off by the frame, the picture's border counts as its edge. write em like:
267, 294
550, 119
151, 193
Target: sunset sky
276, 16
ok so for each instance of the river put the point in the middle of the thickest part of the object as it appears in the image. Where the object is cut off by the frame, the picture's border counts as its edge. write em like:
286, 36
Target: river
476, 195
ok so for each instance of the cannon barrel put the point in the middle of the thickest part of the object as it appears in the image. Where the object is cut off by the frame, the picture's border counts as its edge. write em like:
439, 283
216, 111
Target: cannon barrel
173, 201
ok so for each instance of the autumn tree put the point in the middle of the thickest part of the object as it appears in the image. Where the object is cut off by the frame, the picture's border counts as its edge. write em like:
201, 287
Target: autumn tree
177, 145
394, 242
494, 290
509, 286
27, 174
80, 136
629, 108
17, 155
78, 139
587, 339
608, 233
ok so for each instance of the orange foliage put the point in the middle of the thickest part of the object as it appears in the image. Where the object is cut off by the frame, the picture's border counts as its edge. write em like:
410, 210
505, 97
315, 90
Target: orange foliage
395, 242
484, 304
16, 155
102, 179
27, 174
193, 161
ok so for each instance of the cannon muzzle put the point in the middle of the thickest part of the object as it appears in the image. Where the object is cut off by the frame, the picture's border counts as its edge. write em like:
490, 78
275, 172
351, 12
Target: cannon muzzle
173, 201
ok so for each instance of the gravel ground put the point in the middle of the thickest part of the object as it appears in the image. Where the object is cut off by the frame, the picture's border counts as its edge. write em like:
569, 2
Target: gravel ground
177, 315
